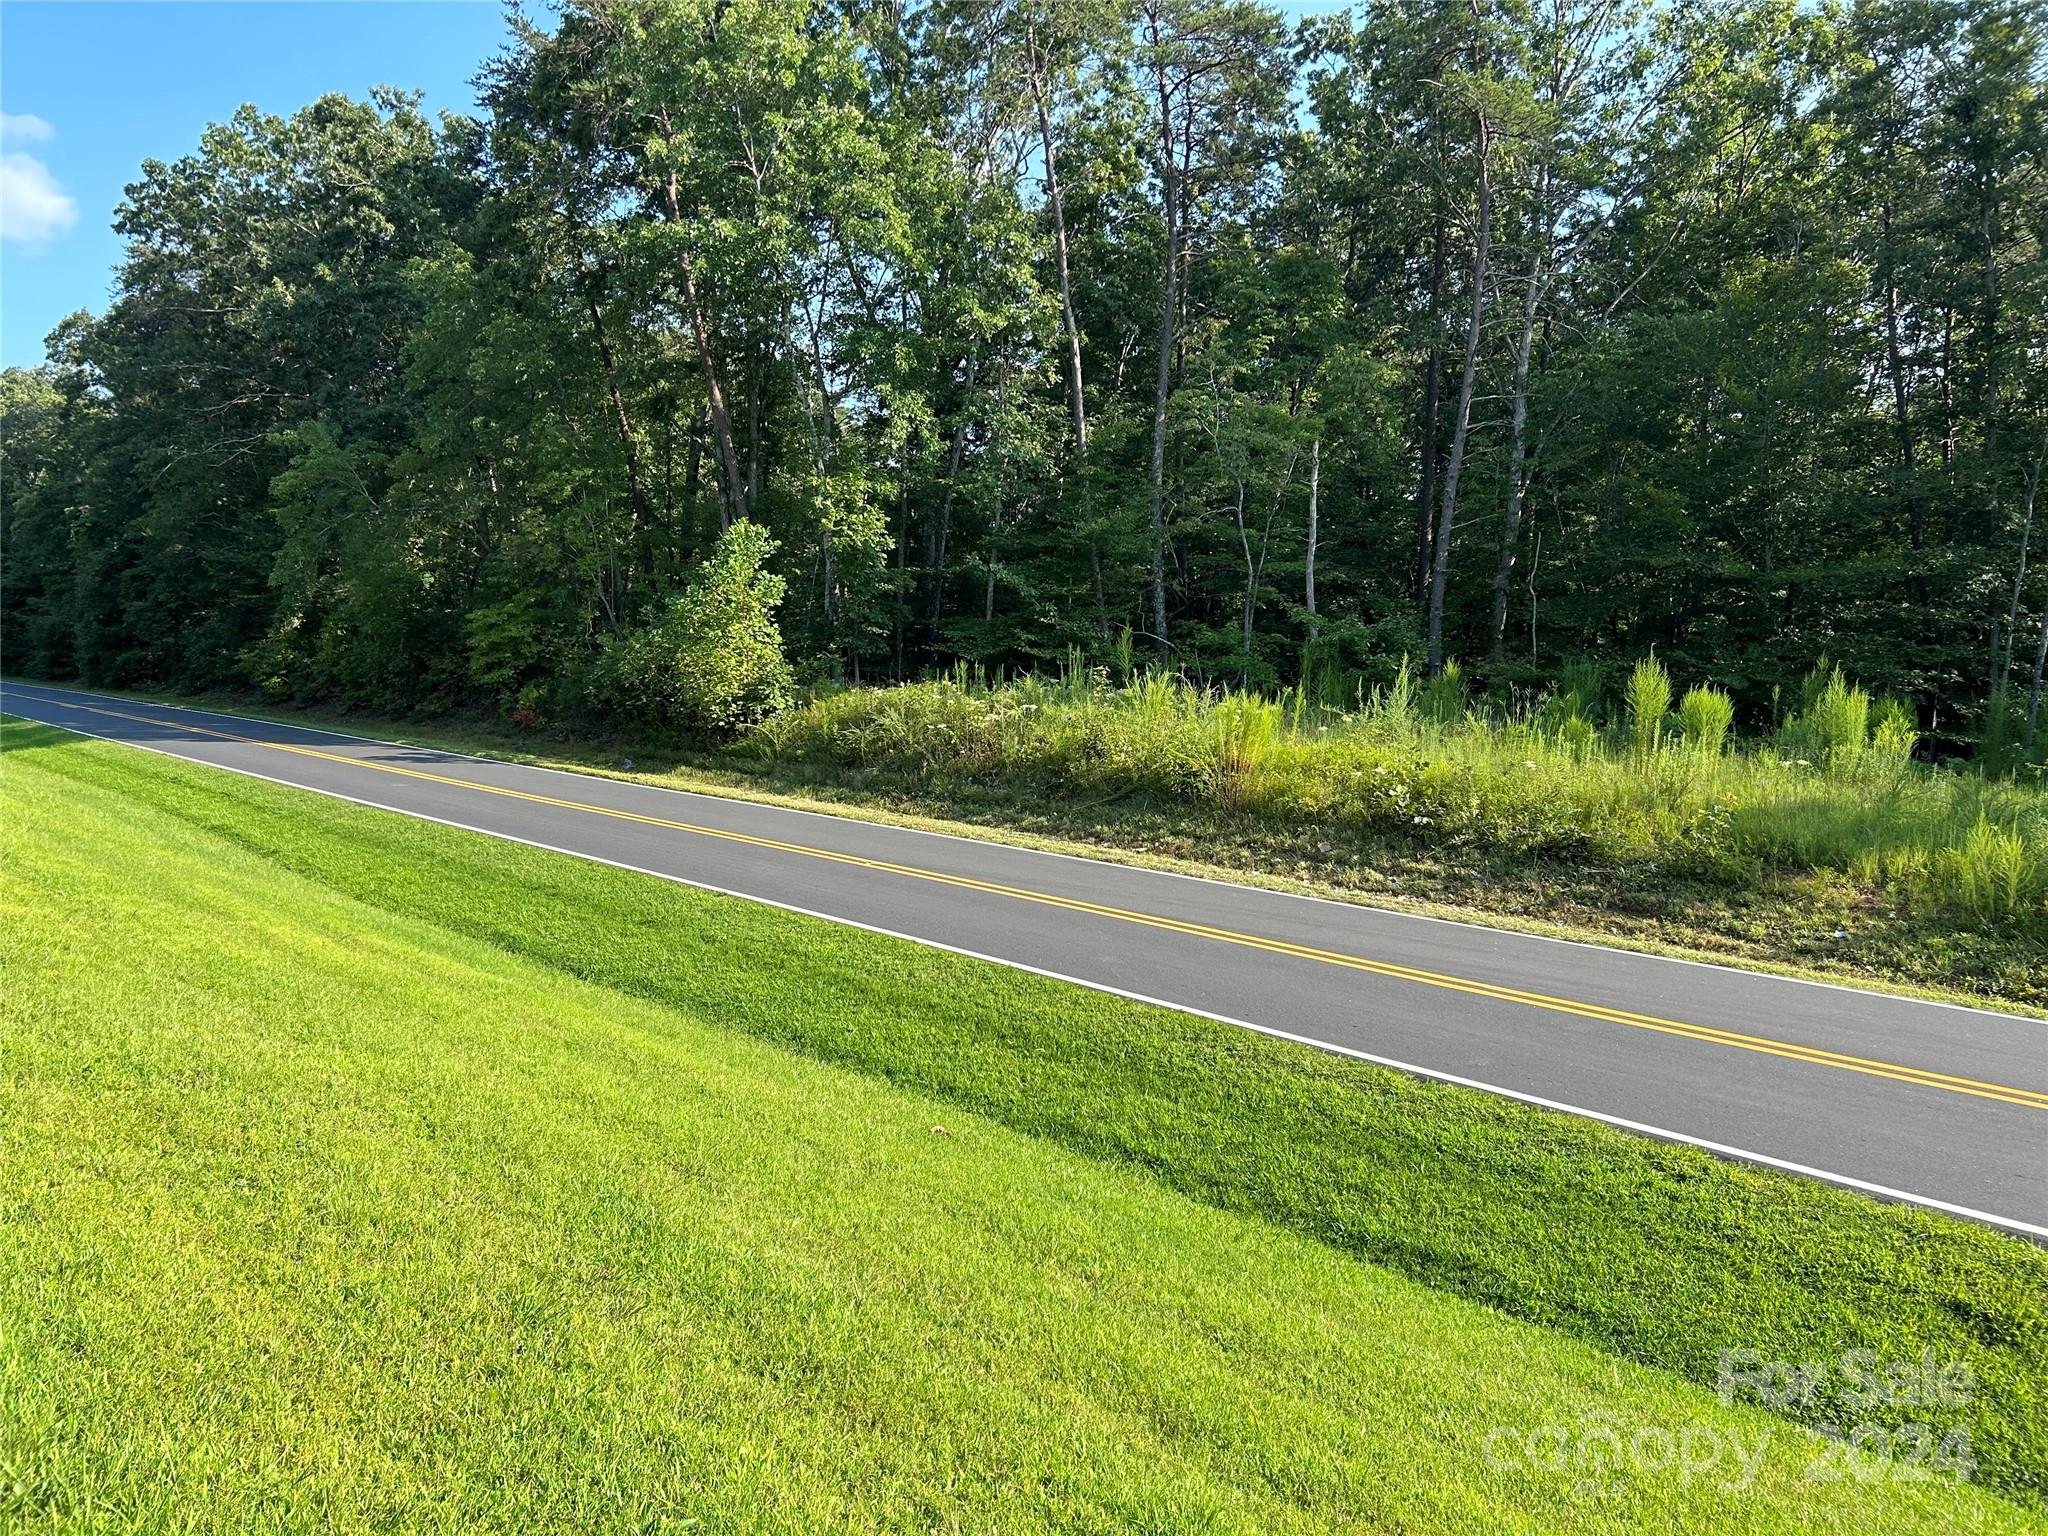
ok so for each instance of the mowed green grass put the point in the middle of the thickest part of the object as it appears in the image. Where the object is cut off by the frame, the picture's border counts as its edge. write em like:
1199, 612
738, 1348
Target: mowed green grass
1659, 1254
324, 1212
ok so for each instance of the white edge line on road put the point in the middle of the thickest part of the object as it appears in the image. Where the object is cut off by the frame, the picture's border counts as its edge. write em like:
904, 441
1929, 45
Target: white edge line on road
1046, 853
1659, 1133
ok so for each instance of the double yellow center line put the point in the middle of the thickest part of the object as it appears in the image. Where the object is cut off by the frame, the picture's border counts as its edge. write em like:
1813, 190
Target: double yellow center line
2003, 1093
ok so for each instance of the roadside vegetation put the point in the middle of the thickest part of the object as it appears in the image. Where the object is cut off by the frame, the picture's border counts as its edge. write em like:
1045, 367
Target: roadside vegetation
1641, 779
481, 1160
1619, 807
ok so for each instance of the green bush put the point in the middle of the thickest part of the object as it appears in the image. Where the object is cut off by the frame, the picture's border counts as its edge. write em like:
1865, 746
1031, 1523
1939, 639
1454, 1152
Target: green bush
1997, 876
1894, 714
1998, 741
1649, 700
505, 642
1578, 689
713, 661
1248, 733
1833, 728
1893, 737
1396, 703
1443, 696
1704, 716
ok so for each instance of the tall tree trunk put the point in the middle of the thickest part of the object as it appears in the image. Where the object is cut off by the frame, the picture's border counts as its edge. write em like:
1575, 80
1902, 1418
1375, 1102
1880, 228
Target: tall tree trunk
1902, 421
988, 591
1432, 396
1255, 568
996, 519
906, 594
2034, 689
1069, 329
995, 528
943, 529
1169, 303
1251, 581
1991, 325
825, 434
902, 571
693, 474
724, 449
1518, 430
2012, 615
2019, 575
1948, 393
668, 462
618, 399
757, 391
1308, 573
1461, 423
828, 564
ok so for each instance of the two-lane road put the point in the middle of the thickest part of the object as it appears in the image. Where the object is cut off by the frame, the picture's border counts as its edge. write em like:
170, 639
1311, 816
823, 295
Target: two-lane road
1941, 1105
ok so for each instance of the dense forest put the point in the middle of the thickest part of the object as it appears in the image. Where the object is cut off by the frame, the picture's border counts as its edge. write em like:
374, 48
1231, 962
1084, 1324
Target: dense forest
1525, 333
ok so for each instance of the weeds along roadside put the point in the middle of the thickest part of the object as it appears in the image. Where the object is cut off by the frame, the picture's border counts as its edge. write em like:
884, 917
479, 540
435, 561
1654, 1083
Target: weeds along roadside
1833, 790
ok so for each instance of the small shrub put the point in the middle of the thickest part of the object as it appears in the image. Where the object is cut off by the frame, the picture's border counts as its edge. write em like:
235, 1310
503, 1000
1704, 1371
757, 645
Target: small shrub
1843, 714
1997, 875
1443, 696
1577, 737
1814, 684
1893, 739
713, 660
1704, 716
1998, 741
526, 707
1891, 710
1649, 700
1835, 725
1247, 738
1578, 688
1395, 707
1120, 656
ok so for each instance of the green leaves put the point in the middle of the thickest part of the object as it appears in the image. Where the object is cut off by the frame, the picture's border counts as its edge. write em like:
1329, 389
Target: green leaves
1755, 382
712, 662
1649, 701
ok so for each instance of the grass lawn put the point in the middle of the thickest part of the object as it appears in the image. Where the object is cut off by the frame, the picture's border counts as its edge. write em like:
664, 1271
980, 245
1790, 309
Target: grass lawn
360, 1173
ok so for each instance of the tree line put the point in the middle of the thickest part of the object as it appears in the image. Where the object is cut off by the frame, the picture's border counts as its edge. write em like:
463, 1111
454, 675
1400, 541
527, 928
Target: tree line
1517, 332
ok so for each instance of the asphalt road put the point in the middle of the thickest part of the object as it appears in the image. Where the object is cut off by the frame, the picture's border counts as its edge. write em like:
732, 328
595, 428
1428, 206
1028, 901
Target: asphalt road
1927, 1102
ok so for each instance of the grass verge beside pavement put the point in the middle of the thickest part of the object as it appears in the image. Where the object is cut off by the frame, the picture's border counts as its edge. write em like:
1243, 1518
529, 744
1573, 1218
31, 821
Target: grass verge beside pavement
146, 889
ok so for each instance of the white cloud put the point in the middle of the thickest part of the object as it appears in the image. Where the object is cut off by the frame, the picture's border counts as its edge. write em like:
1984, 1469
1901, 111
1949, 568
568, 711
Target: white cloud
24, 128
33, 208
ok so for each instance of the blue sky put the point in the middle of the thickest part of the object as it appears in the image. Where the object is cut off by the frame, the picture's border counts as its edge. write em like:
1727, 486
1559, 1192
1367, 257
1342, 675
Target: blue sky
92, 89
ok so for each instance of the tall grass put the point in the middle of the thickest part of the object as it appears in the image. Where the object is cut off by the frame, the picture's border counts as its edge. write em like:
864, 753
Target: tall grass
1997, 876
1834, 726
1248, 731
1649, 700
1705, 715
1828, 792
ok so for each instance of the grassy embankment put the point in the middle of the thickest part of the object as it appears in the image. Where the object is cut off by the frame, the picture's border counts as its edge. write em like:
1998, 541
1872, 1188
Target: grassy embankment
365, 1172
